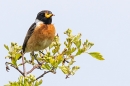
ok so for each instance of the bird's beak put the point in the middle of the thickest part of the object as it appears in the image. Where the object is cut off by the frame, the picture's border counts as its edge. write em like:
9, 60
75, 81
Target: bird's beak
48, 15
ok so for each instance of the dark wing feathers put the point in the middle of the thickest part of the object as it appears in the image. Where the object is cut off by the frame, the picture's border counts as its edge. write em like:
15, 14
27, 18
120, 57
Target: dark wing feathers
28, 35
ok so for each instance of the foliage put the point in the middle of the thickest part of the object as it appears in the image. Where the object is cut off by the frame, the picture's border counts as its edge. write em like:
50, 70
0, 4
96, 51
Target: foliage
25, 81
52, 58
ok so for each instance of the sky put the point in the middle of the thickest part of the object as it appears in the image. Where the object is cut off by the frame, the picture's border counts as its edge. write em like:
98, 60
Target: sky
106, 23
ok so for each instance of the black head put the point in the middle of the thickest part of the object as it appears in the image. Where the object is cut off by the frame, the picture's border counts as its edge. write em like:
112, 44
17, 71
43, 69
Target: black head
45, 16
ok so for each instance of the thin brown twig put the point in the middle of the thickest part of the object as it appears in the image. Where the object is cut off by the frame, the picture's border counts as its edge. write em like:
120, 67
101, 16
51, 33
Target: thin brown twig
64, 51
45, 72
34, 67
66, 60
7, 67
22, 63
67, 76
18, 69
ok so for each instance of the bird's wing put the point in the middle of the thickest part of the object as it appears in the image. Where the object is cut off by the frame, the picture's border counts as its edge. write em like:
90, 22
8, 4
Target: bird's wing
28, 35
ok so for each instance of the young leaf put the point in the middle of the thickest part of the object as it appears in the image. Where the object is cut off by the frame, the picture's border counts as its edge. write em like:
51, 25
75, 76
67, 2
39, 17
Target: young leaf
52, 61
78, 44
43, 66
6, 47
14, 62
96, 55
71, 62
59, 58
17, 56
64, 69
74, 69
7, 85
40, 82
80, 51
47, 66
73, 49
36, 83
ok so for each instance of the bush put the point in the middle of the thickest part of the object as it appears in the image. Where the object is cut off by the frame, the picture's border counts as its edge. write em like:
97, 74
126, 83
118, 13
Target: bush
52, 59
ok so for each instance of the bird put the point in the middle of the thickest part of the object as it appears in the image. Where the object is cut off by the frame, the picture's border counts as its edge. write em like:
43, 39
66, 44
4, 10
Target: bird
40, 34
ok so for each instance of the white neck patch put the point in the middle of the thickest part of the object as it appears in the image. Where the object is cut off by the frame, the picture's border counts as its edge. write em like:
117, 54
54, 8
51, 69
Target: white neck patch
38, 22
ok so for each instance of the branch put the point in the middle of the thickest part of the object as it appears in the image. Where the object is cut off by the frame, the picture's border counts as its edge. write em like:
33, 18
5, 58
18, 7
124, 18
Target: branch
22, 63
7, 67
45, 72
34, 67
24, 69
67, 76
65, 61
18, 69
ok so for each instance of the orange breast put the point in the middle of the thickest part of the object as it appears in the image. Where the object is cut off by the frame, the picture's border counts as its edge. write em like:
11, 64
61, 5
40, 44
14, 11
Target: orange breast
41, 38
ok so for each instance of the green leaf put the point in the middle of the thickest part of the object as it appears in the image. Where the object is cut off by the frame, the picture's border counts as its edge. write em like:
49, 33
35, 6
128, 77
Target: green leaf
90, 45
43, 66
6, 47
65, 43
71, 62
32, 77
36, 83
54, 51
64, 69
17, 56
56, 64
26, 84
96, 55
40, 82
7, 85
79, 43
68, 32
86, 42
14, 61
74, 69
59, 58
52, 61
47, 66
7, 57
73, 49
12, 43
80, 51
77, 37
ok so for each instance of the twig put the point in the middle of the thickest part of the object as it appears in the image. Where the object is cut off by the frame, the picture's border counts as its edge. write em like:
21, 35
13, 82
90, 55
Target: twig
67, 76
63, 52
64, 61
45, 72
7, 67
24, 69
22, 63
34, 67
18, 69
